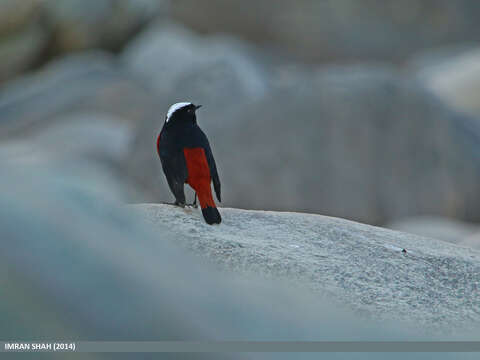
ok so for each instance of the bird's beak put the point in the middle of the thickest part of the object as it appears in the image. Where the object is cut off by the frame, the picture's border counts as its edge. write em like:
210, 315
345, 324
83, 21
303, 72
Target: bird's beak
197, 107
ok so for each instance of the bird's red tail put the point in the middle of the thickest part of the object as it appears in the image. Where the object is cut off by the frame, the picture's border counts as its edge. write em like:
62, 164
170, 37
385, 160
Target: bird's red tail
199, 179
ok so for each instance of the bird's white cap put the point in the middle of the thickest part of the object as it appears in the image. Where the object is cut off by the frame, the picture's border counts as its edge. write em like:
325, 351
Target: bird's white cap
176, 107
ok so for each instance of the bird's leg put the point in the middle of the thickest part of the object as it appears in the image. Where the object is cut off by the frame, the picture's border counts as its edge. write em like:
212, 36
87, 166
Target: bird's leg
179, 195
194, 204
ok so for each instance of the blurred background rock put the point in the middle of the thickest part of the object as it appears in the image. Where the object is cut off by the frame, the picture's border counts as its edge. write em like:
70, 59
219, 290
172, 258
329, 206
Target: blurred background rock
333, 30
364, 110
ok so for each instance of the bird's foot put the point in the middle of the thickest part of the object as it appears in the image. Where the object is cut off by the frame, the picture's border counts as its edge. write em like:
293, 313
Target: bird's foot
173, 204
180, 204
194, 204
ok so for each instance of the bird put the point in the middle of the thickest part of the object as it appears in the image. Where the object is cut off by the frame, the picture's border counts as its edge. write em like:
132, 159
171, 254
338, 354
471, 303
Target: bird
187, 158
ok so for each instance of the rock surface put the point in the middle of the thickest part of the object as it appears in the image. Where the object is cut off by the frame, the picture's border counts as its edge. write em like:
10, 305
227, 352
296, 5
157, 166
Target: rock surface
76, 265
434, 284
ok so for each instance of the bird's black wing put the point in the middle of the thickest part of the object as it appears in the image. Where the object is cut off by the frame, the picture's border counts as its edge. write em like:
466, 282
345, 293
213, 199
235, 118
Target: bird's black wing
175, 170
174, 167
213, 171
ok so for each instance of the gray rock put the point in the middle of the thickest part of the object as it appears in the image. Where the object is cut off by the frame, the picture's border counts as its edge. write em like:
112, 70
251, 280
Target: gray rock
215, 71
15, 15
83, 24
338, 30
359, 142
452, 73
34, 31
89, 137
21, 50
78, 266
82, 108
433, 285
98, 141
87, 82
23, 38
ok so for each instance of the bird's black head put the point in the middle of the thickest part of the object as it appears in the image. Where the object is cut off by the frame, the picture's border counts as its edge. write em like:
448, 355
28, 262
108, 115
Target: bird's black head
183, 112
